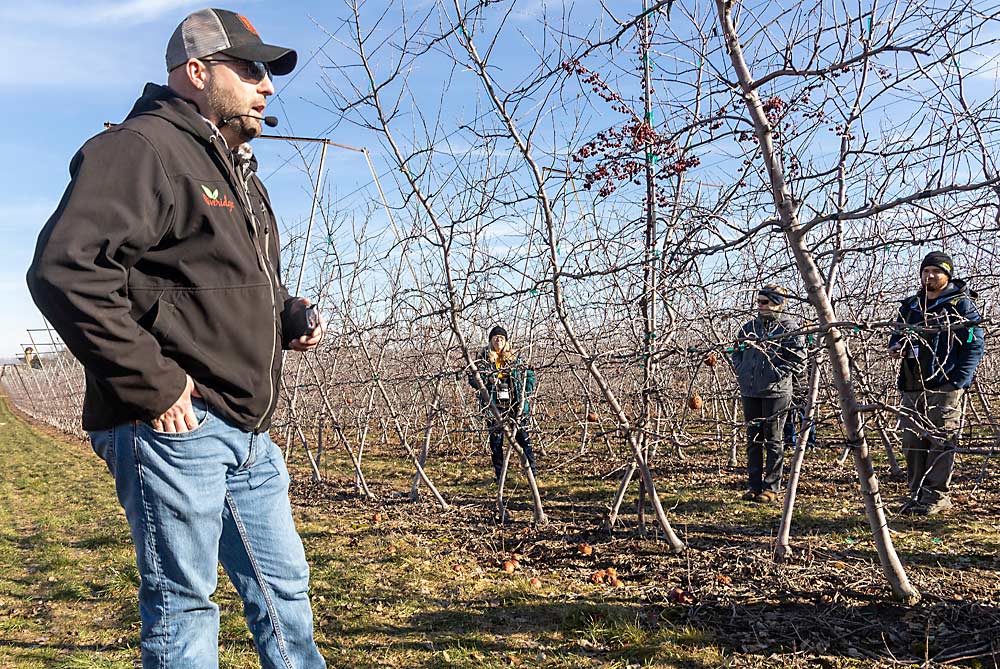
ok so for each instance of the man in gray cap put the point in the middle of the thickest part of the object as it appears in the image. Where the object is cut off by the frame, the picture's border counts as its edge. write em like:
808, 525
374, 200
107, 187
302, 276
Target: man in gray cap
160, 269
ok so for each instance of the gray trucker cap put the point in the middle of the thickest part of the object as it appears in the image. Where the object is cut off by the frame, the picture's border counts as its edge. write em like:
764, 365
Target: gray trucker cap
209, 31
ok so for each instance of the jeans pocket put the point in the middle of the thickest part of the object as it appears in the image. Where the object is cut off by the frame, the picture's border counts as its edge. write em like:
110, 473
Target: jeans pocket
201, 414
267, 462
103, 443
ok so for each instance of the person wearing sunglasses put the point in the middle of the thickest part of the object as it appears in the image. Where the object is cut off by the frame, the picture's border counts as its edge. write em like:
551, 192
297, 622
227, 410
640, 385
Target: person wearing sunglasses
160, 270
765, 358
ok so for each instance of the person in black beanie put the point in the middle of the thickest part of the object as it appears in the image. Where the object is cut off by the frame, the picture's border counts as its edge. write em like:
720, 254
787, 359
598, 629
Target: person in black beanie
939, 348
508, 385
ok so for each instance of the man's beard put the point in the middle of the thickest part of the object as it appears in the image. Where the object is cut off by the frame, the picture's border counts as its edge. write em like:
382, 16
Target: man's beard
231, 113
936, 285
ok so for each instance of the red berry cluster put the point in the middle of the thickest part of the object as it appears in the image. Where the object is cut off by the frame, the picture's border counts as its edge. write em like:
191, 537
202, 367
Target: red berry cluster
620, 152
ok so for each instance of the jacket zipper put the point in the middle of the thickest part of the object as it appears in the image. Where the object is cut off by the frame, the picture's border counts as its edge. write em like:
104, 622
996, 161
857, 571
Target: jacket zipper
274, 305
248, 206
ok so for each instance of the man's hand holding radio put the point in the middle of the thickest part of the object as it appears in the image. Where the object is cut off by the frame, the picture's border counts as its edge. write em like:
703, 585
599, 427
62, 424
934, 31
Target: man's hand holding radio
310, 323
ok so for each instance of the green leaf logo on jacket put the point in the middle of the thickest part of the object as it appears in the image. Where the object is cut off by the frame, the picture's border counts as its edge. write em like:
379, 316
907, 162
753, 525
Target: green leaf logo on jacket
212, 198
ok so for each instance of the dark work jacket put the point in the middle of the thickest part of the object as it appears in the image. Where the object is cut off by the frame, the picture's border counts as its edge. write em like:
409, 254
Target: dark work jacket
947, 356
161, 260
519, 378
764, 360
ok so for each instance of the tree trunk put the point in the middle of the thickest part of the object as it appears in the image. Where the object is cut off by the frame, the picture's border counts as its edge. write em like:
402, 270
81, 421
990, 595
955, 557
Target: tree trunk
820, 300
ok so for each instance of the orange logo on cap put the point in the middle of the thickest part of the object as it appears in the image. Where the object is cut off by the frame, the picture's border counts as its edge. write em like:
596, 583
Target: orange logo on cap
249, 26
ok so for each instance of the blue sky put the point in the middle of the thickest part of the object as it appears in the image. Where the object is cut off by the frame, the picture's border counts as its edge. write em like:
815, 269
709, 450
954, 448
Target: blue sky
71, 66
75, 65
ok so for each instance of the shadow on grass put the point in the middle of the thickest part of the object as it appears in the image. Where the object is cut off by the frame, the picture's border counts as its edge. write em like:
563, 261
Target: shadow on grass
100, 542
952, 631
697, 636
603, 631
124, 645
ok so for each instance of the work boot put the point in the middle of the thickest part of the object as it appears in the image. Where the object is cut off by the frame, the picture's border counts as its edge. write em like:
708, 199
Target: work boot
940, 505
910, 506
766, 497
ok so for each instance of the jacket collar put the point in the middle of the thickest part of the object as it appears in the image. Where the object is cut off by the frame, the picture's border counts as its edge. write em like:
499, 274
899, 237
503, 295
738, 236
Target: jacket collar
956, 288
162, 101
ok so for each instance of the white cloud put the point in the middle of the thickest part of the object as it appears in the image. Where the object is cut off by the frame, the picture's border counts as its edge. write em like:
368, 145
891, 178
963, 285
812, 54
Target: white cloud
530, 11
982, 64
58, 63
90, 45
75, 14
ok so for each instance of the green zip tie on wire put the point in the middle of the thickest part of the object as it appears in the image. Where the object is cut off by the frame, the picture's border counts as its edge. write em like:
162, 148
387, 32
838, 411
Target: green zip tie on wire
649, 116
869, 25
652, 157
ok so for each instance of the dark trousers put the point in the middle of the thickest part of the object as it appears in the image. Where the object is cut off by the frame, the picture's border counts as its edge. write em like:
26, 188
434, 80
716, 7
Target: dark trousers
496, 447
765, 421
793, 426
930, 462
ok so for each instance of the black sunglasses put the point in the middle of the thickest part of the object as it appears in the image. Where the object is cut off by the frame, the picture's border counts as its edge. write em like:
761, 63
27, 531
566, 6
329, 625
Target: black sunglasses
251, 70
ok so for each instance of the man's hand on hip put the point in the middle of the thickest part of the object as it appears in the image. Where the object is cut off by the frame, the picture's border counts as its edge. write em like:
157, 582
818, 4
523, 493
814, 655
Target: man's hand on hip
180, 416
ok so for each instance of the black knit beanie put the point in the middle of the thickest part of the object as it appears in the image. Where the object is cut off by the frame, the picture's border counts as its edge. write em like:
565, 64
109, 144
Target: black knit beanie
938, 259
497, 330
773, 295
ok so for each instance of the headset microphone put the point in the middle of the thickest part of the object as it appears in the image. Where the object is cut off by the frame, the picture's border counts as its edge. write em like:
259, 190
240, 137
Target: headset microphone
269, 121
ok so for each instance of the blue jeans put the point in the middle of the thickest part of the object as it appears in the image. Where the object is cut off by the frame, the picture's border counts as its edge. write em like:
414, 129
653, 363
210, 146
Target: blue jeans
194, 499
793, 425
496, 447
